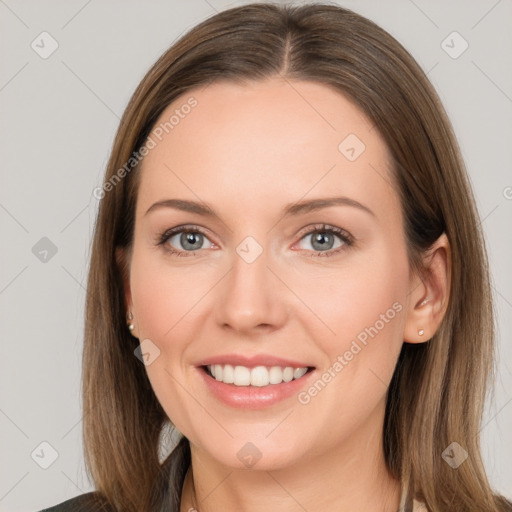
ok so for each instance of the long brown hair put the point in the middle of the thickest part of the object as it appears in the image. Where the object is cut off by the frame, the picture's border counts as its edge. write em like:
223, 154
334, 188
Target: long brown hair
438, 390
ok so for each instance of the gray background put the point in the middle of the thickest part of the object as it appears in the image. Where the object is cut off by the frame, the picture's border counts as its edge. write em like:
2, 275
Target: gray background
58, 119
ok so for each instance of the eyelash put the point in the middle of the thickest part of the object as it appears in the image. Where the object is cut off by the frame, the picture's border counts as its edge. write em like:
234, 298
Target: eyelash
346, 238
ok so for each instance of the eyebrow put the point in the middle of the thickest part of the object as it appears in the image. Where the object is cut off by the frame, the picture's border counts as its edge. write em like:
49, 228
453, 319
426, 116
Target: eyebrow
300, 207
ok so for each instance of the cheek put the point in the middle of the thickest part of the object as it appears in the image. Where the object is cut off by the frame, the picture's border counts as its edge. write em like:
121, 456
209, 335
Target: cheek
162, 298
362, 308
365, 313
359, 295
162, 295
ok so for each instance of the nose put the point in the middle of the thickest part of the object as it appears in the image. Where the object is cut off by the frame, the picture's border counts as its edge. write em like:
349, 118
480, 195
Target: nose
252, 299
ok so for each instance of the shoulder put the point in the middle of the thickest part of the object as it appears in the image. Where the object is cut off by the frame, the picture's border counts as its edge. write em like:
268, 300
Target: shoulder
88, 502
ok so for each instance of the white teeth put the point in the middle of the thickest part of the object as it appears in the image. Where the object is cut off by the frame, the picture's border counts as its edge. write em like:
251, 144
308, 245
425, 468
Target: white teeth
276, 375
299, 372
258, 376
228, 374
288, 374
242, 376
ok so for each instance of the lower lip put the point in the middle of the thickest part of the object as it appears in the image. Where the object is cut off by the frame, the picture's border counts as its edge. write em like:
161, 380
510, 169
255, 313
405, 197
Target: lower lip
253, 397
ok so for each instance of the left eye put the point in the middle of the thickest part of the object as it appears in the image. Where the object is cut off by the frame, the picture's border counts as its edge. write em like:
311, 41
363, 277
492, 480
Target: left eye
324, 240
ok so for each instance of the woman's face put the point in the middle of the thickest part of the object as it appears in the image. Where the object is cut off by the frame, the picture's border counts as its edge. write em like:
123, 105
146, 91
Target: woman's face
260, 283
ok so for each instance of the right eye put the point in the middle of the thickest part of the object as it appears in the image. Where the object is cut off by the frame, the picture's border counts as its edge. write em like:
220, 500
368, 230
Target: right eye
189, 239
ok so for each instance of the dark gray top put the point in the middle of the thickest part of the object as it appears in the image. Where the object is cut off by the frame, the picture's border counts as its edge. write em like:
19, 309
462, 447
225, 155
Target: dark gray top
87, 502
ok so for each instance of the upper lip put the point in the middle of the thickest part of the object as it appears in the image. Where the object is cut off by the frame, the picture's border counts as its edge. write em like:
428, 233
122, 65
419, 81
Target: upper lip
252, 361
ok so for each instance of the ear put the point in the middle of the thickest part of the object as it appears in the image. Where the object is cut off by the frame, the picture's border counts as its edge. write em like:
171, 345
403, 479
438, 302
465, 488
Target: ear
429, 293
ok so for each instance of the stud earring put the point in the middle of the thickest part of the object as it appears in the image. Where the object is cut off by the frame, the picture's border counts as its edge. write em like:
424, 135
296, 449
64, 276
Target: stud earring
129, 316
421, 332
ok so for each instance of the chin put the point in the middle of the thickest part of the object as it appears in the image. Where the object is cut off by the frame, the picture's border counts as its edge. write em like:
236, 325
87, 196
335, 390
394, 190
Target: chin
250, 450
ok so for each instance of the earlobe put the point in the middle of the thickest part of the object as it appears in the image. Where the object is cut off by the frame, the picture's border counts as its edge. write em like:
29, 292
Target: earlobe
418, 327
429, 294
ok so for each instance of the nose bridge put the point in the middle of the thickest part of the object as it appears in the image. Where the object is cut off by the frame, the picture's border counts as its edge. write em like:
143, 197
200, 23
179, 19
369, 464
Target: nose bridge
251, 293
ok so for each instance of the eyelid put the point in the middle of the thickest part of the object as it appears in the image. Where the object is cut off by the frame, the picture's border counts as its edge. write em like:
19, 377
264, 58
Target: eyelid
323, 227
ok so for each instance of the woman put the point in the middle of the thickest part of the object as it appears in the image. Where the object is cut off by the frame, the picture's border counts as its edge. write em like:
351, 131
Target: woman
288, 269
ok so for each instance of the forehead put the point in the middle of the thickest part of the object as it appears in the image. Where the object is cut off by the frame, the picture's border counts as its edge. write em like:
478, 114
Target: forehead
265, 142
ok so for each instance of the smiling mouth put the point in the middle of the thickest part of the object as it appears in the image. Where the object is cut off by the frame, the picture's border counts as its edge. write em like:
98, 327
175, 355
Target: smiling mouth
258, 376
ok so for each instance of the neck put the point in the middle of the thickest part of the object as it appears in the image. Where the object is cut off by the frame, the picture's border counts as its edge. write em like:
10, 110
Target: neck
350, 477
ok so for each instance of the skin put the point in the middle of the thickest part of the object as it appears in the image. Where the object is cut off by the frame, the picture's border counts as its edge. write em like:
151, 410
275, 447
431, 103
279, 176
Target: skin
249, 150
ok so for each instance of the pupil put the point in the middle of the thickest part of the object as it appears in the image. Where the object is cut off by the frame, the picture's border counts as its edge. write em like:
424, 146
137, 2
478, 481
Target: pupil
322, 239
189, 239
